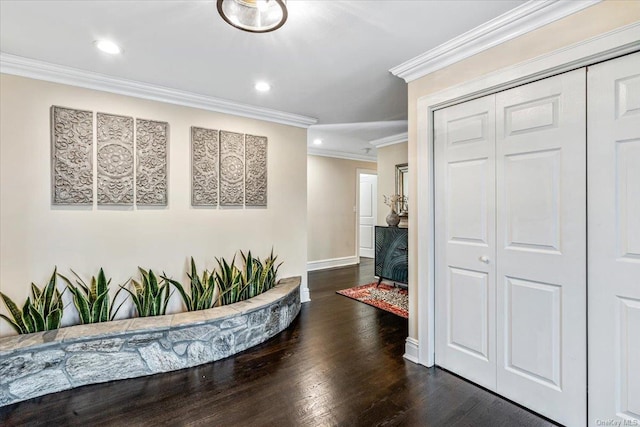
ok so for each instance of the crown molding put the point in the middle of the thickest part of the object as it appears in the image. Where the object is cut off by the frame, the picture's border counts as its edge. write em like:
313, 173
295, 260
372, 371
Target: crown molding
390, 140
516, 22
31, 68
358, 125
340, 155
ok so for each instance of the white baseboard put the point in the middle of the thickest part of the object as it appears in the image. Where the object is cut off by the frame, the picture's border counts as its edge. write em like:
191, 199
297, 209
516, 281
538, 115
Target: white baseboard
332, 263
304, 295
411, 349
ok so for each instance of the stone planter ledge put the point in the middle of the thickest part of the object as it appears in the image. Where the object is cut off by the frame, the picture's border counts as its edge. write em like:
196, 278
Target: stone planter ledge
47, 362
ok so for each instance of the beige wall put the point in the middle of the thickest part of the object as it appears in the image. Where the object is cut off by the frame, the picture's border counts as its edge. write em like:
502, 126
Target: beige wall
388, 158
36, 236
331, 202
598, 19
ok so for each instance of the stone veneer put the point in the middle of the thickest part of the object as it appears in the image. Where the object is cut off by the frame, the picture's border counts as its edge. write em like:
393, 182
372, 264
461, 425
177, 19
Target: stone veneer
46, 362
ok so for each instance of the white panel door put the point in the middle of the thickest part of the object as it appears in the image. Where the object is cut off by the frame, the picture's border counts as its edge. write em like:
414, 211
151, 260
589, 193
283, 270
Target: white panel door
368, 213
465, 240
541, 246
614, 241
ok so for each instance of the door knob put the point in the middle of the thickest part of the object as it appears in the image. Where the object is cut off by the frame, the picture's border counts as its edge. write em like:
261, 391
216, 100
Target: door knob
484, 259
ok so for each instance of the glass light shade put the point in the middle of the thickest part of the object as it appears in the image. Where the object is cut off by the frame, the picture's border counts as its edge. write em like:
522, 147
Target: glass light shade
255, 16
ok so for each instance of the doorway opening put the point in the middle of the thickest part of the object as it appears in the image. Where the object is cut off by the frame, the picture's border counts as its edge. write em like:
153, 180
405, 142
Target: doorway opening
366, 212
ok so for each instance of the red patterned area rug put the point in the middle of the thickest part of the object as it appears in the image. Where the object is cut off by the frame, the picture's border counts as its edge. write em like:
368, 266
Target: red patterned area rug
385, 297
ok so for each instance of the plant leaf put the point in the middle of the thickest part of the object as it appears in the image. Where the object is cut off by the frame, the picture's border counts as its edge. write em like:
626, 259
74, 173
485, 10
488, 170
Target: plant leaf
82, 284
167, 297
15, 312
93, 290
35, 291
26, 316
186, 299
102, 283
45, 306
153, 283
112, 313
13, 324
53, 320
38, 320
82, 305
97, 312
136, 301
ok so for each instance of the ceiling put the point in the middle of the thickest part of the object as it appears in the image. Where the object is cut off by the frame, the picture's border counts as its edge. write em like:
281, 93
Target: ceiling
329, 61
352, 140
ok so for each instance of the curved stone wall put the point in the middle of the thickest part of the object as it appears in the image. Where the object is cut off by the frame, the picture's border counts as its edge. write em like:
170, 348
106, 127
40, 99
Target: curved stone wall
46, 362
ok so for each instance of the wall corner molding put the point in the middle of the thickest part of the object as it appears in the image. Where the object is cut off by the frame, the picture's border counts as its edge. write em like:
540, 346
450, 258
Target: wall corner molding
332, 263
40, 70
390, 140
514, 23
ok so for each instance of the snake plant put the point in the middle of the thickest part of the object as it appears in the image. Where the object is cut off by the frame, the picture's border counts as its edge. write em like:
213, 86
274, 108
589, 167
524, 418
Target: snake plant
202, 289
255, 278
258, 276
269, 272
250, 285
92, 301
229, 280
43, 313
149, 297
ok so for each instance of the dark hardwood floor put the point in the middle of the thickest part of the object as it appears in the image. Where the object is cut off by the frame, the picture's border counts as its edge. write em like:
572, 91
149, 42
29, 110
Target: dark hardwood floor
339, 364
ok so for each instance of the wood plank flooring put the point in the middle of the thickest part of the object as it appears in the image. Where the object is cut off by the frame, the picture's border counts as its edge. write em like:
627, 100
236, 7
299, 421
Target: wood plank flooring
339, 364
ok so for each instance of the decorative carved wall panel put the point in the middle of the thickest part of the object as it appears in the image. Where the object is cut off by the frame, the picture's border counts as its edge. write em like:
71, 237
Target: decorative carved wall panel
151, 162
231, 168
204, 167
71, 156
255, 170
228, 168
115, 159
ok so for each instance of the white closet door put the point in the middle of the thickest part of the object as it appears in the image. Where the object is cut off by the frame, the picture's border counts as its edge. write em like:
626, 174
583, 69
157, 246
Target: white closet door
465, 240
614, 241
541, 246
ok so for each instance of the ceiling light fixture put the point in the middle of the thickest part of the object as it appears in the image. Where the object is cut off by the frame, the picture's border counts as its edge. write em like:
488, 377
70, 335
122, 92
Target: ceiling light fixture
262, 87
108, 46
254, 16
317, 141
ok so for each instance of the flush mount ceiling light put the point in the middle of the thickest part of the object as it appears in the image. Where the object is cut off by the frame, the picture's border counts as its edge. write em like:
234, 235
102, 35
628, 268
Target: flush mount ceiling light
254, 16
317, 141
262, 87
108, 46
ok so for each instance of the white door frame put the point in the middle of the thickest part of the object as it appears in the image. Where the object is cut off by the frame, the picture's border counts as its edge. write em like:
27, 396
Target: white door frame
360, 171
600, 48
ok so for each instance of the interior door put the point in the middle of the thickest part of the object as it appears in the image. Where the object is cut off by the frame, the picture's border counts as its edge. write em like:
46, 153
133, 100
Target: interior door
465, 240
614, 241
368, 213
541, 246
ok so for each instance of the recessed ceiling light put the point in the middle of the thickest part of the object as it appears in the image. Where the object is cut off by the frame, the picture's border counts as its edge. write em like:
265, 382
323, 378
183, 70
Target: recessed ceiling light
262, 87
317, 141
108, 46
